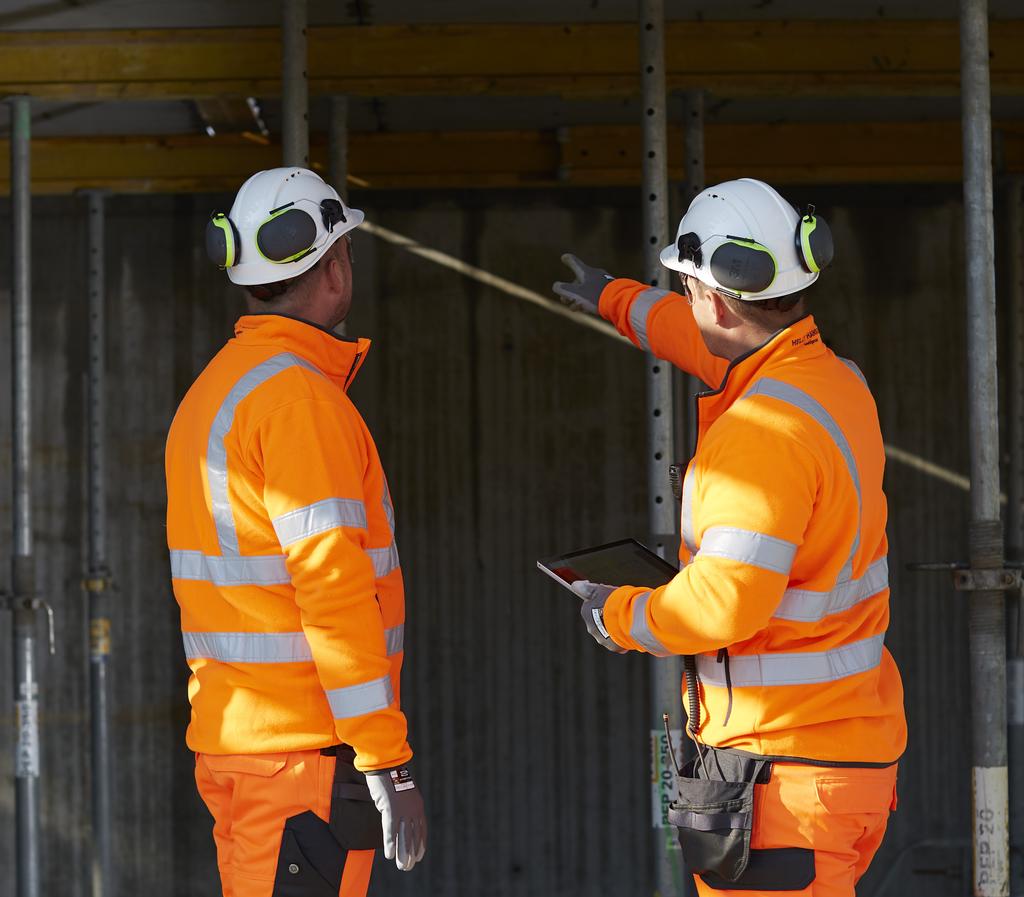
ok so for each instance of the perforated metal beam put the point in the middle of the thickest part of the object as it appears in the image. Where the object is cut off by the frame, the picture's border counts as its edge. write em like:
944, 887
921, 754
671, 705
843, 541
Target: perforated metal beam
600, 156
755, 58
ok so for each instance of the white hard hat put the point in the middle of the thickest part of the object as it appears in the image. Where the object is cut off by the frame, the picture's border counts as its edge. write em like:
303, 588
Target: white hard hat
742, 238
280, 225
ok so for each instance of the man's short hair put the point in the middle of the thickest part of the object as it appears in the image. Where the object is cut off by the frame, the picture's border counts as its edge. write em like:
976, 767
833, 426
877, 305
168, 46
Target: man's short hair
769, 314
269, 292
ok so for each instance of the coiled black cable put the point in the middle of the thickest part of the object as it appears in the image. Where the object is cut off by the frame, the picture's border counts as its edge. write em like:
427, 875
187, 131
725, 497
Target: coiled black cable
692, 694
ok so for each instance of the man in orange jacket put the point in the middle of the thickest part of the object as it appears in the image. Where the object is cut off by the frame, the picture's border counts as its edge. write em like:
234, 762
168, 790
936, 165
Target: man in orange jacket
280, 526
782, 602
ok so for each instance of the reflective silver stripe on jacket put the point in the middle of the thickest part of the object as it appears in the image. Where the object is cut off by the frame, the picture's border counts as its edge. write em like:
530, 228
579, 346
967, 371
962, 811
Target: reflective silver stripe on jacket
216, 450
785, 392
394, 639
640, 309
248, 647
641, 633
757, 670
748, 547
852, 365
319, 517
806, 606
385, 560
257, 570
355, 700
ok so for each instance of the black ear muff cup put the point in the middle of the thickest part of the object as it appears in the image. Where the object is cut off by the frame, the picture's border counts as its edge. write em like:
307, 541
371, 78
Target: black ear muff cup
814, 245
287, 236
744, 269
223, 245
823, 248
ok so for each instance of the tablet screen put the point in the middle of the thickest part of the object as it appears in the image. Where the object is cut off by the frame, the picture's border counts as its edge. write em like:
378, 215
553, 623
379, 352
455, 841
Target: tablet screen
624, 563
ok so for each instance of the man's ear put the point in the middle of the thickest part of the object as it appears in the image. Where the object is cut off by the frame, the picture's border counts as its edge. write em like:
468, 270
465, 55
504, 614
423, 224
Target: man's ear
336, 272
723, 314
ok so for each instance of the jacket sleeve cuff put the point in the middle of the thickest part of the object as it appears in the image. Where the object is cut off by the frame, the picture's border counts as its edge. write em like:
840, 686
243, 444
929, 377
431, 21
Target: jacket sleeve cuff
618, 611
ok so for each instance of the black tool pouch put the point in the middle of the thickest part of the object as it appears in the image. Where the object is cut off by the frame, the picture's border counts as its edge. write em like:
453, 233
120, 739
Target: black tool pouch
355, 820
312, 857
715, 816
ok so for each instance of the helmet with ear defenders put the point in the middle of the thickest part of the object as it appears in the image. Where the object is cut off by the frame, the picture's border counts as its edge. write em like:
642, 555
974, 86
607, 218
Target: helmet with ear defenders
281, 223
744, 239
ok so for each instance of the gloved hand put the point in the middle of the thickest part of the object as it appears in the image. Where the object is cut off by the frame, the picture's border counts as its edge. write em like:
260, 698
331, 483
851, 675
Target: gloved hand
401, 815
594, 596
584, 293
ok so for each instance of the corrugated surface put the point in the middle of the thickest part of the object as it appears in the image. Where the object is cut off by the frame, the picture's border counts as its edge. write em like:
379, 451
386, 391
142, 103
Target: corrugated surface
507, 435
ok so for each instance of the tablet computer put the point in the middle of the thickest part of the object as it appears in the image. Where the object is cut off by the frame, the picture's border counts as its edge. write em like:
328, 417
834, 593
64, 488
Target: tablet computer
623, 563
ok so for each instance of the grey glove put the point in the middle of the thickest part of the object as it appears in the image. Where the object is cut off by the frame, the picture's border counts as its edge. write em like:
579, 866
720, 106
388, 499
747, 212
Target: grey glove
584, 293
401, 815
594, 596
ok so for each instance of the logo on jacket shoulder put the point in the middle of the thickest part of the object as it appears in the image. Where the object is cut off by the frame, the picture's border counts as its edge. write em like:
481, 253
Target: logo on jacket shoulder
808, 339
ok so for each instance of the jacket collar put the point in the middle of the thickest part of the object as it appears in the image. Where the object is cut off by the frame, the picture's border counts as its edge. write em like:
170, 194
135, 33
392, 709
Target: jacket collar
791, 345
338, 357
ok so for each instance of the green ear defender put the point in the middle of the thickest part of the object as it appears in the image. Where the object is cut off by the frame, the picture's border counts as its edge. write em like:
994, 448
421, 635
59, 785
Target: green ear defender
814, 246
223, 244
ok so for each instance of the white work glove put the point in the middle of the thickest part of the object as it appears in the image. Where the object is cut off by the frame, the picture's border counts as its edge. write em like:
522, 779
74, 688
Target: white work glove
401, 815
584, 293
594, 596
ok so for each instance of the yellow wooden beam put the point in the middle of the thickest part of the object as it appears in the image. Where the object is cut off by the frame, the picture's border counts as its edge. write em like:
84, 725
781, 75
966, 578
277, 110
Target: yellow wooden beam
769, 58
593, 156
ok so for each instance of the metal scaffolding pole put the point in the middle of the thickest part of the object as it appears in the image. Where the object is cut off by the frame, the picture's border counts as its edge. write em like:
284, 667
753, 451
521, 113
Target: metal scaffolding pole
337, 149
1015, 526
986, 614
294, 85
694, 131
23, 597
97, 580
337, 157
666, 673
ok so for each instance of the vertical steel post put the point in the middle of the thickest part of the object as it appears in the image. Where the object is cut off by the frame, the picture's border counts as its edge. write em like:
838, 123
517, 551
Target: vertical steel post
1015, 525
986, 614
694, 140
294, 85
97, 580
337, 149
23, 597
666, 673
337, 157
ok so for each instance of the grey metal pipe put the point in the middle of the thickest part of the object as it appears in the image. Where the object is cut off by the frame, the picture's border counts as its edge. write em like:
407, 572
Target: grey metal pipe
294, 84
987, 613
97, 581
337, 149
337, 158
1014, 523
695, 179
26, 695
666, 673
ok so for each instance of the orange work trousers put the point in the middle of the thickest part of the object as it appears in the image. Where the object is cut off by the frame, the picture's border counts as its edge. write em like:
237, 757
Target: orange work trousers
251, 797
839, 813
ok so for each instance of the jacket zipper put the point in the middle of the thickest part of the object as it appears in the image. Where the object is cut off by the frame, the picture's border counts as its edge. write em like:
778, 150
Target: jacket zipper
352, 370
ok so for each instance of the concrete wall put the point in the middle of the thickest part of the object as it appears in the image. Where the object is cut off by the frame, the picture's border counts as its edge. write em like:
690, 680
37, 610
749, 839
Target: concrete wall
507, 434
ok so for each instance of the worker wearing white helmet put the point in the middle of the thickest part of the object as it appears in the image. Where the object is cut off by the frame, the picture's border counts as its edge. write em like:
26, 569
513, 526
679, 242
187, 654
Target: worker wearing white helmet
782, 601
281, 530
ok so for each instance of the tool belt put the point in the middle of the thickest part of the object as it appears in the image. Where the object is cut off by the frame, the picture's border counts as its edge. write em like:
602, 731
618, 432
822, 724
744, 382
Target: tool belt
714, 815
312, 856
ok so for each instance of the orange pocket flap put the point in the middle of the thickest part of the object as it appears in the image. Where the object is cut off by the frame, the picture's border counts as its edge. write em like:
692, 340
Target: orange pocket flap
857, 792
265, 765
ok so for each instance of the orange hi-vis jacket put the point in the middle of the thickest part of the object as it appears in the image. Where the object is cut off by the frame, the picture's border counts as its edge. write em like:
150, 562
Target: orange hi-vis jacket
281, 535
784, 589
